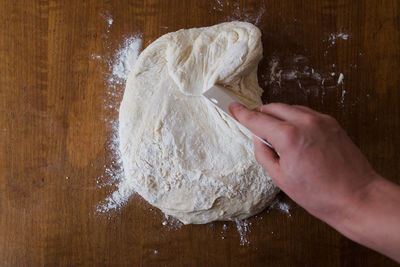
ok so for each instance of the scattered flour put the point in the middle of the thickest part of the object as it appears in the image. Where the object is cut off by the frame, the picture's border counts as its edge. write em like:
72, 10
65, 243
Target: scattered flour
243, 227
110, 21
340, 79
340, 82
171, 223
125, 59
236, 12
342, 97
275, 74
281, 206
295, 72
334, 36
223, 232
119, 67
94, 56
332, 40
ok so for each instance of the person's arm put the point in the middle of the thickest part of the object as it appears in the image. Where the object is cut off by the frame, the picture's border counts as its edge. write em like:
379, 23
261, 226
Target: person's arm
374, 220
322, 170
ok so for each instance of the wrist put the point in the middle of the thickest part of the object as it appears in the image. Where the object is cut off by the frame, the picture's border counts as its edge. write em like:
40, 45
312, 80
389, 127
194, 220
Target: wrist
373, 218
353, 214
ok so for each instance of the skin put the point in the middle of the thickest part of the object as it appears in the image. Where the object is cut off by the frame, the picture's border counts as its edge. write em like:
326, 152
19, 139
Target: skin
322, 170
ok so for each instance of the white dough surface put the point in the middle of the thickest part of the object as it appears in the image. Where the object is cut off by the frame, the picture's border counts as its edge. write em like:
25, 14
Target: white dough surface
183, 156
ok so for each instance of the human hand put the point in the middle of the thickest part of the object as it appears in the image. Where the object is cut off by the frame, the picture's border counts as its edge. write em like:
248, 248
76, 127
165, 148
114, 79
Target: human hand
321, 169
318, 166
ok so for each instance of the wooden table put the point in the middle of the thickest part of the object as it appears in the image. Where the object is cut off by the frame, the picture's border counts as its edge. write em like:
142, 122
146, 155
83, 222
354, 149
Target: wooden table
55, 142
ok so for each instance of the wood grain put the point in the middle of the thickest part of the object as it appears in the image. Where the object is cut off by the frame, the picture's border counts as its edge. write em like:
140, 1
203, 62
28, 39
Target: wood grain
52, 127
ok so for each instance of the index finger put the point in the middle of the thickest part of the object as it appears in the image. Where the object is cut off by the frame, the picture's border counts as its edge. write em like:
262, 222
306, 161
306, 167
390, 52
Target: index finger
261, 124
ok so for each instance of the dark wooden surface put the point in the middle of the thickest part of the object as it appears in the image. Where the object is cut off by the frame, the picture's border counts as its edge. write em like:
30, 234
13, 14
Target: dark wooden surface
52, 126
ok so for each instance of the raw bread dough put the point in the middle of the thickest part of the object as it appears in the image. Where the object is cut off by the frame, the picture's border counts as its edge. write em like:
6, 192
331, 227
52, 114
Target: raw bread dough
181, 154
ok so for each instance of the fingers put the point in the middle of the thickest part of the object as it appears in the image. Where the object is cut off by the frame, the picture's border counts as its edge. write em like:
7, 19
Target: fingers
307, 110
286, 112
281, 111
263, 125
266, 157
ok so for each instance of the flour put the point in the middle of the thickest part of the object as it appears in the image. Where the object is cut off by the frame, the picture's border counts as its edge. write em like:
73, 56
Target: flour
125, 59
171, 223
333, 37
119, 67
296, 72
94, 56
223, 231
340, 79
243, 228
114, 174
275, 74
281, 206
237, 12
110, 21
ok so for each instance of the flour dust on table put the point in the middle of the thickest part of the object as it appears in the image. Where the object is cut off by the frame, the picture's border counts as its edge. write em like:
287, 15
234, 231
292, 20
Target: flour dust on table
119, 67
181, 154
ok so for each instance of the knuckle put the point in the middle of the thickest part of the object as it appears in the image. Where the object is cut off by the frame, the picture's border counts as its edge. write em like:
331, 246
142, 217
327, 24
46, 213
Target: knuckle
290, 134
276, 105
329, 119
302, 107
312, 120
273, 106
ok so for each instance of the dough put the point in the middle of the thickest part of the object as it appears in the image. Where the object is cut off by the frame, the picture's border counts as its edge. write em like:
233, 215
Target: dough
181, 154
